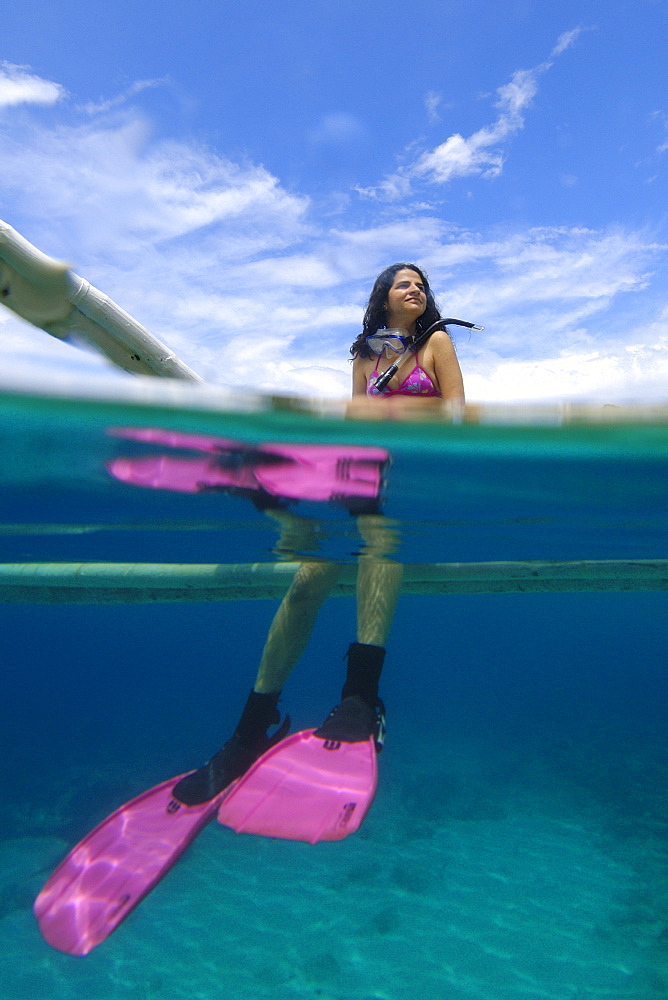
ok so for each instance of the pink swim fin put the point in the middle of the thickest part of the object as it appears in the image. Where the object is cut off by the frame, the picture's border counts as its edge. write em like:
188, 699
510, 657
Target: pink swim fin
304, 788
113, 868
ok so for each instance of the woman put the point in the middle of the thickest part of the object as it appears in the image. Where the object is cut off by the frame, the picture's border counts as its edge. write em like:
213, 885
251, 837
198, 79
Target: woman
82, 902
402, 302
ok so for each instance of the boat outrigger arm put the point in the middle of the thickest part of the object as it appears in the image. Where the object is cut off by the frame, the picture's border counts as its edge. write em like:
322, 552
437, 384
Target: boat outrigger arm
49, 295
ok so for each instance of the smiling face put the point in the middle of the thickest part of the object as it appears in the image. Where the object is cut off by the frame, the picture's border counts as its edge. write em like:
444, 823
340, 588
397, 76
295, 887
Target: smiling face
406, 300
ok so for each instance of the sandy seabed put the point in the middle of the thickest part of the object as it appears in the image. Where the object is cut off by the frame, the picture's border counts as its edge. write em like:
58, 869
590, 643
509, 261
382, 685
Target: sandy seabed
483, 875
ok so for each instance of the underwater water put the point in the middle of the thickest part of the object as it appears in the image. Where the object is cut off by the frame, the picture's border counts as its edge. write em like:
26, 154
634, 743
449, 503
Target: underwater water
517, 846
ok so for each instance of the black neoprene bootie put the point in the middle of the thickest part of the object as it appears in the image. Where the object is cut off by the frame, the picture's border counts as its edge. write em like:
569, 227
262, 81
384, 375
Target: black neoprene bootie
249, 741
360, 713
365, 664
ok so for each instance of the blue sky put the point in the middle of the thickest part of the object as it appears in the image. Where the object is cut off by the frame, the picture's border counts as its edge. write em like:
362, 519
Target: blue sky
235, 176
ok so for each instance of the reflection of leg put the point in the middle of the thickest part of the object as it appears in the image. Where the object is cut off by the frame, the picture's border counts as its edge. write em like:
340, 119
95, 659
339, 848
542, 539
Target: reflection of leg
296, 535
293, 623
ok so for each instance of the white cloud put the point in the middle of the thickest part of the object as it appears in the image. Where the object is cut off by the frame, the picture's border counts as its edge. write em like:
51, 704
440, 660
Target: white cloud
392, 188
482, 153
637, 372
432, 102
479, 154
561, 310
337, 129
295, 271
124, 193
659, 118
18, 86
566, 40
102, 107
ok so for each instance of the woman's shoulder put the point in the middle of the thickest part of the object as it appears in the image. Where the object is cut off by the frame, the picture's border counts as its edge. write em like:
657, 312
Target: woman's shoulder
440, 336
440, 342
359, 363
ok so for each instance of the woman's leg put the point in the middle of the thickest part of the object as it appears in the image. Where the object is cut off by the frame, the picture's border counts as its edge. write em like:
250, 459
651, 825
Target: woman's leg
378, 580
288, 635
293, 623
360, 713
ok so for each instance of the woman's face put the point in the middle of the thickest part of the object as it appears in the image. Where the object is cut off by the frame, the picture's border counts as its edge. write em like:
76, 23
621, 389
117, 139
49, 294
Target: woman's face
406, 299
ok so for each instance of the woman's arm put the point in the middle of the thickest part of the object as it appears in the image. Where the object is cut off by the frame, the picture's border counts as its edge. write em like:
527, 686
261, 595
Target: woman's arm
359, 378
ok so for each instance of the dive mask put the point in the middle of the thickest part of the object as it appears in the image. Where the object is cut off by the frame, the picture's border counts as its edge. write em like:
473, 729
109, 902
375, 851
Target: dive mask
387, 342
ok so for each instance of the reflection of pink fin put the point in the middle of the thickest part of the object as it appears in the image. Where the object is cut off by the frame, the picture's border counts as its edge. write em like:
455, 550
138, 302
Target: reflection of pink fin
111, 870
304, 788
319, 472
181, 475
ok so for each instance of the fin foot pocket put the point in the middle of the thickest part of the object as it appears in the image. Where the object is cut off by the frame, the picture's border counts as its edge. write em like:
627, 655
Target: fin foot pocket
226, 766
207, 781
354, 721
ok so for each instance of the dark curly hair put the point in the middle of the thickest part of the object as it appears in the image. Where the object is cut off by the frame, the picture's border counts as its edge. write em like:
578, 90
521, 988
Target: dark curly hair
374, 317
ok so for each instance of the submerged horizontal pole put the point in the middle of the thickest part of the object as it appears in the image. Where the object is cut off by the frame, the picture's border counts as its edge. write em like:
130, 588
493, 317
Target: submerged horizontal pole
147, 583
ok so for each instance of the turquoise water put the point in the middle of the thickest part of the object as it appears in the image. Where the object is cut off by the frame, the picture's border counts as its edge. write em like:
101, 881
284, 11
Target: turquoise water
518, 843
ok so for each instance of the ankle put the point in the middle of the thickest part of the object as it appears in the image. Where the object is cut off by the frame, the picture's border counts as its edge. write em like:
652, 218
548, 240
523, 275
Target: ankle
365, 664
260, 712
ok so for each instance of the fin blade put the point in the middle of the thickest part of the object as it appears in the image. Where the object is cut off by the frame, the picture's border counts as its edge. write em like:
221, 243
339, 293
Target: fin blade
115, 866
304, 788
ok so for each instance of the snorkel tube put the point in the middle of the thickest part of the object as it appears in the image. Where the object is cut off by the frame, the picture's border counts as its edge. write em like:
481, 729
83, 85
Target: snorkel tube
413, 348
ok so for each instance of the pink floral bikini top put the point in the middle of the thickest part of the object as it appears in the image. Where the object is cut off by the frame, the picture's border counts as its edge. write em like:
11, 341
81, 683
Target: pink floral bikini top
417, 383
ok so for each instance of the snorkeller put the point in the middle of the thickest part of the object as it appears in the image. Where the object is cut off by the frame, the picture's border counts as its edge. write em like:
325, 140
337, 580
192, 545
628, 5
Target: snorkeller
402, 321
319, 783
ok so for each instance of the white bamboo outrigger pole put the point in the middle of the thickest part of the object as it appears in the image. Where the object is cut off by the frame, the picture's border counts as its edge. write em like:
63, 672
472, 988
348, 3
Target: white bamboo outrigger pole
49, 295
147, 583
